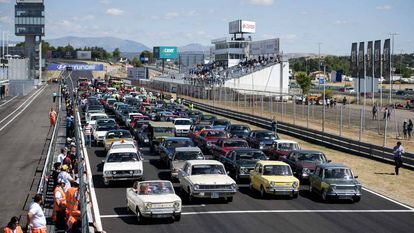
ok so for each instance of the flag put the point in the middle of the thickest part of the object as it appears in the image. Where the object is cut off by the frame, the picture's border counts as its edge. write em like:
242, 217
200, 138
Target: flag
377, 59
386, 60
361, 60
354, 60
370, 56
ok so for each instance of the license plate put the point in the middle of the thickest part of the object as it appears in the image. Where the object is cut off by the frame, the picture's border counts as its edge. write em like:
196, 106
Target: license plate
344, 197
214, 195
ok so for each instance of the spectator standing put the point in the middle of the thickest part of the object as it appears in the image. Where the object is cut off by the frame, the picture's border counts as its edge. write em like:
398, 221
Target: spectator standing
87, 130
62, 155
410, 128
374, 112
52, 117
274, 125
398, 153
65, 177
405, 129
13, 226
54, 96
68, 125
344, 100
35, 217
59, 205
386, 113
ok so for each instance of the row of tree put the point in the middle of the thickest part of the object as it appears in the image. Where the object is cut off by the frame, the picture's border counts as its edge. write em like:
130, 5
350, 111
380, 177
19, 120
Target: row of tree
403, 63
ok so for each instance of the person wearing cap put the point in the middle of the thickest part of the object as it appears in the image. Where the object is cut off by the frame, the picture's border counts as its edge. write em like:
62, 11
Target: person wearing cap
59, 205
13, 226
65, 177
35, 217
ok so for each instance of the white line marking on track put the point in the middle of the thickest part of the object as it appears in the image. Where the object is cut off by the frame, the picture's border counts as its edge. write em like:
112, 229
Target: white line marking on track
269, 211
31, 99
8, 101
389, 199
192, 206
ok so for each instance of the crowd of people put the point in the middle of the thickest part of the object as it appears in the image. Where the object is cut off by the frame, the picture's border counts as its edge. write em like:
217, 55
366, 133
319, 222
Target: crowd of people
216, 74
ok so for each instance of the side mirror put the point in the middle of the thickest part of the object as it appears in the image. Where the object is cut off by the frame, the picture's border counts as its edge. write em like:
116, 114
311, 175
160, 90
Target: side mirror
103, 160
356, 177
329, 161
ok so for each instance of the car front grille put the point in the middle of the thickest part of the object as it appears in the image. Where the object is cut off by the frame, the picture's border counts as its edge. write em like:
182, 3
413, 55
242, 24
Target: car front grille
215, 186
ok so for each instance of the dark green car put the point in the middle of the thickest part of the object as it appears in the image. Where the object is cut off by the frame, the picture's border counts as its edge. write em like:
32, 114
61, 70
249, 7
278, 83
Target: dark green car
335, 181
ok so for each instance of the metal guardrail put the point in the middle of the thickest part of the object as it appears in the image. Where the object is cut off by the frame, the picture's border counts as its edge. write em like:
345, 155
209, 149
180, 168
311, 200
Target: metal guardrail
353, 147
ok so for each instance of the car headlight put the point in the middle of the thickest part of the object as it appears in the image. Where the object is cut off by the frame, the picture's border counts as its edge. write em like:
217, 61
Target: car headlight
234, 186
243, 170
305, 171
113, 172
209, 144
261, 147
177, 205
107, 173
295, 184
196, 186
272, 184
137, 171
148, 205
146, 140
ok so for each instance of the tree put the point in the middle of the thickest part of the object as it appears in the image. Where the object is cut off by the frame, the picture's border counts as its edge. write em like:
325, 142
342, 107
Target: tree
304, 82
116, 54
136, 62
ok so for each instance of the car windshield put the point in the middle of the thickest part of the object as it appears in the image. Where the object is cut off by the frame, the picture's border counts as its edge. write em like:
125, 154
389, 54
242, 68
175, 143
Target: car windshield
253, 155
155, 188
207, 117
182, 122
163, 130
277, 170
188, 155
240, 128
220, 122
93, 118
214, 134
318, 157
207, 169
266, 135
126, 146
122, 157
179, 143
118, 134
235, 144
287, 146
111, 101
105, 127
338, 173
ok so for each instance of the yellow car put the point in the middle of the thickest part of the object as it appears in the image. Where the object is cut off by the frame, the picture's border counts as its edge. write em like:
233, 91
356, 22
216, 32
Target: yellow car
115, 136
274, 177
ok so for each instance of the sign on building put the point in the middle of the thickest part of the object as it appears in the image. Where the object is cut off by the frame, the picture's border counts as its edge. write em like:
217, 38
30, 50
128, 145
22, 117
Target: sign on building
264, 47
242, 26
75, 67
136, 73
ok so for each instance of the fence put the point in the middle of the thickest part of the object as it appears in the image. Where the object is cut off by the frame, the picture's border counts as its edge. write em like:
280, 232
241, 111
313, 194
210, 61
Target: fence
350, 122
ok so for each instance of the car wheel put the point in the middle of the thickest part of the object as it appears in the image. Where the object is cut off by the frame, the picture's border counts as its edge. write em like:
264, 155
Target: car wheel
237, 177
295, 195
356, 199
106, 182
140, 218
324, 195
262, 192
177, 217
229, 199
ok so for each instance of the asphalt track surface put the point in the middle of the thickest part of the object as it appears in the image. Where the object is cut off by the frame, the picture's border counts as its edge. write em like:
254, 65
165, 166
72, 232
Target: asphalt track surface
23, 144
248, 213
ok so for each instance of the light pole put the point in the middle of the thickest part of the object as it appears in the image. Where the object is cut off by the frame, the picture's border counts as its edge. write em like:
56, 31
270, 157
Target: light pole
392, 71
324, 84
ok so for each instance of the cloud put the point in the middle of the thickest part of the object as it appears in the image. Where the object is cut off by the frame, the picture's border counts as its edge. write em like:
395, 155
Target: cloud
114, 12
171, 15
105, 2
341, 22
261, 2
83, 18
383, 8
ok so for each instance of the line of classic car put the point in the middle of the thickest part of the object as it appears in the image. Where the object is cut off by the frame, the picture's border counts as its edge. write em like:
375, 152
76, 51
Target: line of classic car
206, 155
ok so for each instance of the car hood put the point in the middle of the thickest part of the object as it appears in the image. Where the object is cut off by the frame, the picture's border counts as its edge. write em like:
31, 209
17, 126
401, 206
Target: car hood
211, 179
227, 149
285, 179
186, 127
239, 132
246, 163
159, 198
307, 164
178, 164
101, 133
123, 166
267, 141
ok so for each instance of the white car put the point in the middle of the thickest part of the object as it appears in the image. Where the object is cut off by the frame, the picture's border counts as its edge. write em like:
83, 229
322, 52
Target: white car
124, 145
206, 179
182, 126
153, 199
92, 117
99, 130
122, 164
286, 145
181, 155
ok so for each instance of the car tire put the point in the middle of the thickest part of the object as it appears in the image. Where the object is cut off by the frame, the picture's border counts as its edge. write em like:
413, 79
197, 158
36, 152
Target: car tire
229, 199
177, 217
262, 192
324, 195
237, 177
140, 218
295, 195
356, 199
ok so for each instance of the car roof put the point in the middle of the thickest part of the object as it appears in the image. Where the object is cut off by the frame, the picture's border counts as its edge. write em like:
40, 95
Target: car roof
285, 141
118, 130
177, 139
261, 130
233, 140
309, 151
98, 114
271, 162
161, 124
122, 150
332, 165
123, 142
192, 148
186, 119
246, 149
201, 162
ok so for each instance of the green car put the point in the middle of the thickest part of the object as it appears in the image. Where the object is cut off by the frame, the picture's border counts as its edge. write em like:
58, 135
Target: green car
335, 181
158, 131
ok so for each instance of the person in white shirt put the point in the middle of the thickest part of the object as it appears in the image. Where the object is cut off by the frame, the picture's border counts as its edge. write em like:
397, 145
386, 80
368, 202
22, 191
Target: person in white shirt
66, 177
35, 217
61, 156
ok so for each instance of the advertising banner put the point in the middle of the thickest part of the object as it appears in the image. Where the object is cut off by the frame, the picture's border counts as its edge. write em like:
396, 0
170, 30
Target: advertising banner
242, 26
361, 60
354, 60
234, 27
165, 52
370, 56
386, 60
377, 59
76, 67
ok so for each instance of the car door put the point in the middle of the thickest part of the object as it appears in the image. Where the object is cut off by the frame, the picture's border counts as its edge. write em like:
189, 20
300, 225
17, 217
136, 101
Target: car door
291, 159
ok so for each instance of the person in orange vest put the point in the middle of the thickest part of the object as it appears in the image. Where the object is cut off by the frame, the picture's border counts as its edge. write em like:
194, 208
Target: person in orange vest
52, 117
72, 199
59, 205
13, 226
73, 221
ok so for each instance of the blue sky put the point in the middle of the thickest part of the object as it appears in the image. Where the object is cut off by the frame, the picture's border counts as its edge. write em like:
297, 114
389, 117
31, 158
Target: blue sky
300, 24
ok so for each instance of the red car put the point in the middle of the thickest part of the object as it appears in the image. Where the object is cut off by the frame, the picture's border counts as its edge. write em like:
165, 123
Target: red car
209, 137
225, 145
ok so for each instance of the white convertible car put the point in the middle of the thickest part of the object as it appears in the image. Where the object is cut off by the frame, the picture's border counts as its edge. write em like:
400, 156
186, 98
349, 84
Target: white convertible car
153, 199
206, 179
